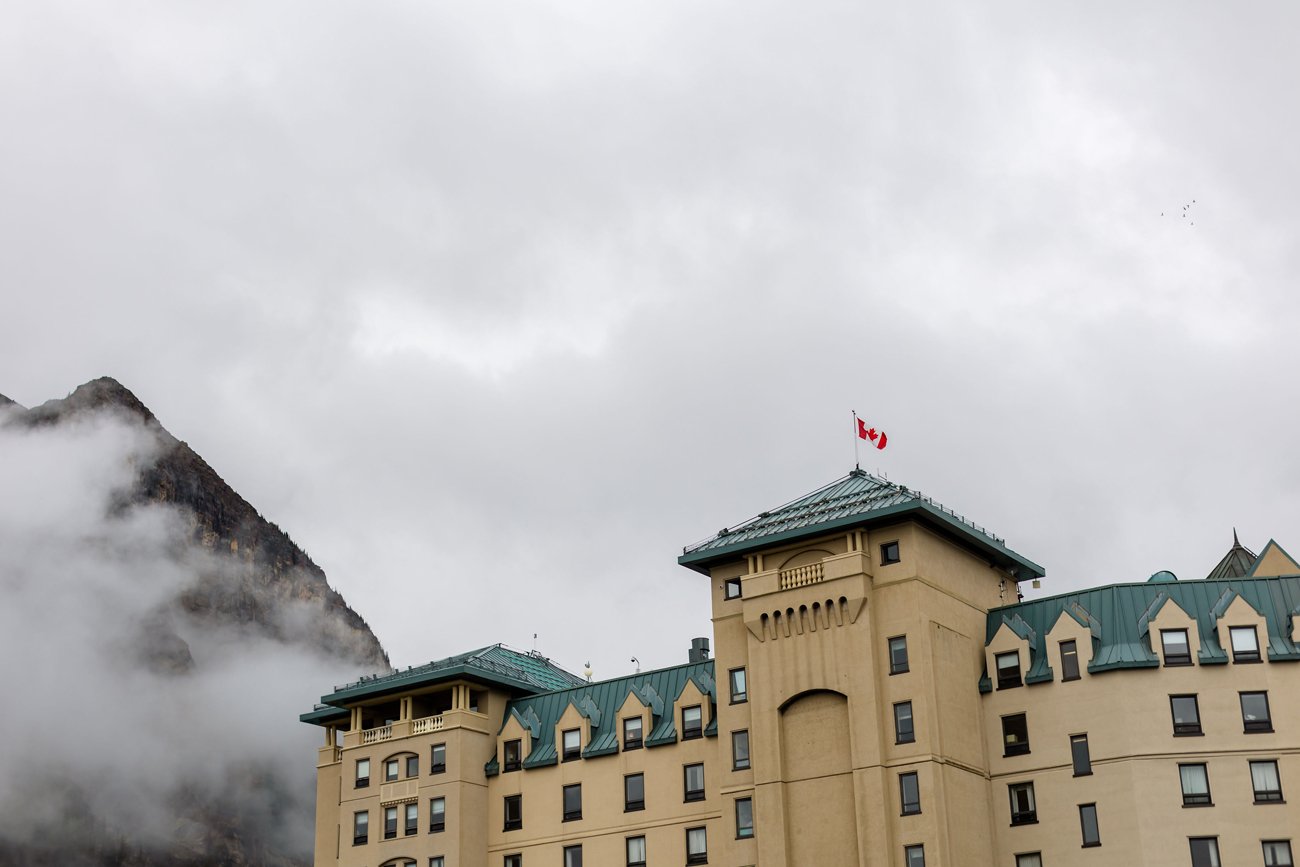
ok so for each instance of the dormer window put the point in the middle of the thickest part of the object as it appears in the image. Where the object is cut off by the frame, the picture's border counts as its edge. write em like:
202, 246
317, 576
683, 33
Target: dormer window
1069, 661
572, 745
513, 755
632, 733
692, 722
1245, 644
1176, 648
1008, 665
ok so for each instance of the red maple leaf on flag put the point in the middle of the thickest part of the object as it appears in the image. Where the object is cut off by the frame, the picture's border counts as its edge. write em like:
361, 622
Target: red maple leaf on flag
866, 433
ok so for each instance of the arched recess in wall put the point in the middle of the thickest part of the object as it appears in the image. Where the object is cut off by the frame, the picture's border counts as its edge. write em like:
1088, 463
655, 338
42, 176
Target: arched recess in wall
820, 812
804, 558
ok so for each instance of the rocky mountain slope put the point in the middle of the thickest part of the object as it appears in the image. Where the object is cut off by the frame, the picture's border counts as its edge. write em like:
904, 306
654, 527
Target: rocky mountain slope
244, 584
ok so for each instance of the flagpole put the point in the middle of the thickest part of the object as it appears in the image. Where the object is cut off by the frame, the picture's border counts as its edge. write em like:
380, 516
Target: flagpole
857, 464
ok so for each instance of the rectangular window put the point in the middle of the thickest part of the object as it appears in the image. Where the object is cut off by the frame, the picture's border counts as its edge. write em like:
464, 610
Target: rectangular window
1015, 735
1195, 780
636, 851
889, 553
914, 856
514, 812
692, 722
1266, 781
573, 856
1080, 756
1069, 661
390, 770
738, 691
1023, 809
1245, 643
898, 654
731, 588
437, 861
438, 759
572, 740
694, 779
437, 815
513, 755
632, 733
573, 802
1187, 714
515, 860
1277, 853
744, 818
633, 792
740, 750
1029, 859
1254, 712
1205, 851
904, 733
412, 823
909, 793
1088, 825
1008, 665
697, 846
360, 827
390, 822
363, 773
1177, 650
412, 766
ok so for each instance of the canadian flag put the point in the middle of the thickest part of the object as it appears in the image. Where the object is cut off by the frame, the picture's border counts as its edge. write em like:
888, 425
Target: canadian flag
870, 433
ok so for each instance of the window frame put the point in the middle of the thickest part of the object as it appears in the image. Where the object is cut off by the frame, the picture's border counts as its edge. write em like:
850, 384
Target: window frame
1017, 748
1086, 810
436, 826
1244, 656
1186, 729
507, 823
1173, 660
630, 804
1270, 859
909, 853
514, 859
1070, 661
361, 781
702, 856
571, 814
737, 763
912, 807
412, 766
689, 793
1212, 850
508, 764
392, 768
1024, 859
1023, 817
1267, 796
360, 827
1195, 799
893, 645
741, 828
1004, 678
627, 850
731, 589
639, 741
390, 827
738, 696
570, 752
904, 735
692, 730
1080, 760
573, 855
435, 766
1256, 726
891, 553
411, 819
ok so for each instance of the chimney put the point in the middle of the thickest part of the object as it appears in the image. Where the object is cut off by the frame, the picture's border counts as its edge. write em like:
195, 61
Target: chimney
699, 650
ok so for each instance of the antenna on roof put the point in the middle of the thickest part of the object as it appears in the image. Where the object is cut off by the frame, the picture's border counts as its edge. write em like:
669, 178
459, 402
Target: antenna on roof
534, 642
638, 664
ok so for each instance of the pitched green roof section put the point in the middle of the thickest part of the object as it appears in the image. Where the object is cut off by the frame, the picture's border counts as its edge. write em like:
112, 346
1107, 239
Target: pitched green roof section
854, 500
1118, 617
600, 702
1239, 562
496, 665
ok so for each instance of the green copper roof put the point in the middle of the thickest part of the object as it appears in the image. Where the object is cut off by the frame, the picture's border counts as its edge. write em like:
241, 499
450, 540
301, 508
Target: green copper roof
856, 499
1237, 563
600, 702
497, 664
1118, 615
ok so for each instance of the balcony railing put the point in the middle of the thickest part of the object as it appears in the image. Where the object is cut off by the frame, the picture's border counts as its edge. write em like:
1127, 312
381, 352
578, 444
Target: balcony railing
427, 724
374, 736
801, 576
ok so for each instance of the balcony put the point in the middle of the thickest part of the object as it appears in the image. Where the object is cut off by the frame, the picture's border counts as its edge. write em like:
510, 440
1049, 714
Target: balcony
801, 576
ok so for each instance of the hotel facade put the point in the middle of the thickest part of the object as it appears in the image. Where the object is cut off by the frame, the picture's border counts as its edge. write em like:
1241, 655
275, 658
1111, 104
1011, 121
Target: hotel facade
878, 695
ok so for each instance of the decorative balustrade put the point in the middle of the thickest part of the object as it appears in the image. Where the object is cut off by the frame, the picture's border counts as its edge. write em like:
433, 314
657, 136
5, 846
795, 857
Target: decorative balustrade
374, 736
801, 576
427, 724
338, 754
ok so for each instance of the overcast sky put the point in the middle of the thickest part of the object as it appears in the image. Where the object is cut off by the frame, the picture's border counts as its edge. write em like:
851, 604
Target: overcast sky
494, 306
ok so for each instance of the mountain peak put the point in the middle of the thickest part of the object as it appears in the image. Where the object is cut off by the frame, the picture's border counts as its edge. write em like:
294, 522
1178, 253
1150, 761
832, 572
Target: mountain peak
94, 396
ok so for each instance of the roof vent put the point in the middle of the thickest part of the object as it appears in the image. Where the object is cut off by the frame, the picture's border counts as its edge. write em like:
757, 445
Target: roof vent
699, 650
1164, 576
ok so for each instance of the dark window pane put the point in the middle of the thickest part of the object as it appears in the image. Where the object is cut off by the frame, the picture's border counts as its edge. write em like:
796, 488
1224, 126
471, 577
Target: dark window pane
1187, 715
1177, 650
898, 655
1079, 754
739, 750
1254, 712
513, 753
1069, 661
909, 790
1008, 665
903, 730
1088, 825
438, 759
1015, 735
692, 722
1205, 851
573, 802
634, 792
